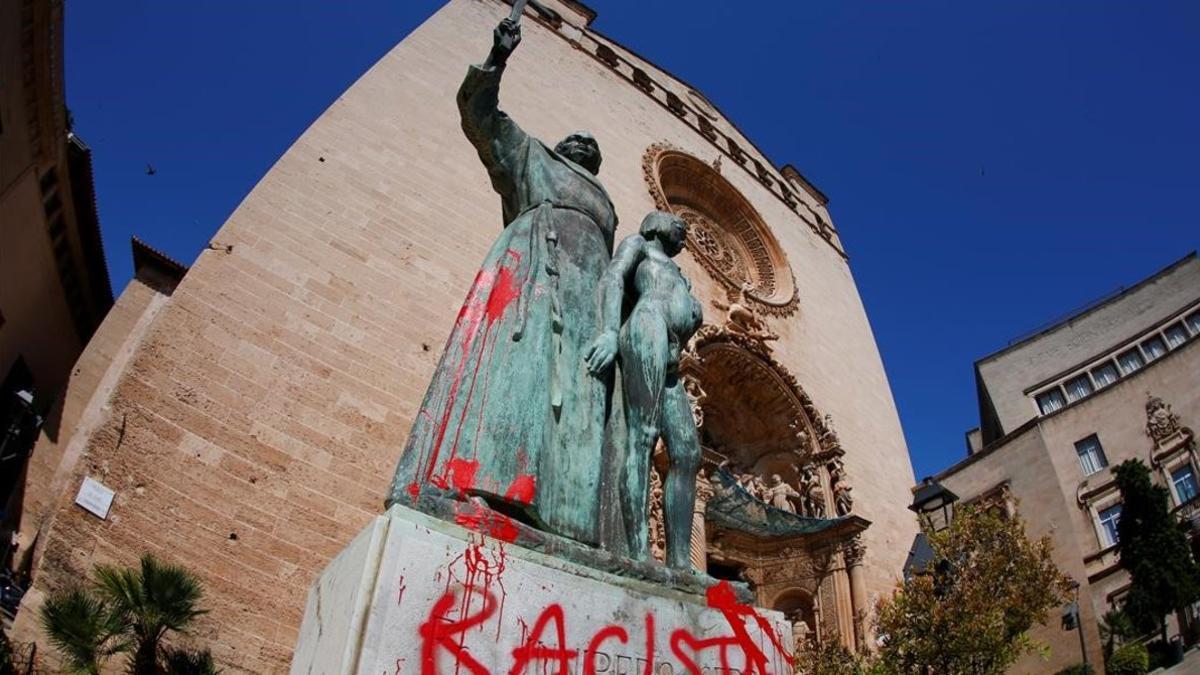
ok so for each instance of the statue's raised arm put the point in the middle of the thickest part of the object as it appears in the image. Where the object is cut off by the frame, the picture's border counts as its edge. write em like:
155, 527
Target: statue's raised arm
496, 137
512, 395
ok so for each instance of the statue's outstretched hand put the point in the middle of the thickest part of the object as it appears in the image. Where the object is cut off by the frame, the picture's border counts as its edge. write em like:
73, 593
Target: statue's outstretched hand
505, 39
601, 353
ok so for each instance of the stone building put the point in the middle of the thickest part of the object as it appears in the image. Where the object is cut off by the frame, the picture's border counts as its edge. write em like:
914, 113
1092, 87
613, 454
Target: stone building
54, 287
1119, 380
251, 418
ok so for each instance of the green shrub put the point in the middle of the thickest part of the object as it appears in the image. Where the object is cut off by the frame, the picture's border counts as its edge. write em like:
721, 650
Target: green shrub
1130, 659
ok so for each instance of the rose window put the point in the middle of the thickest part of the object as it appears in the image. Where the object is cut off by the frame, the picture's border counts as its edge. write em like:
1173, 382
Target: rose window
726, 235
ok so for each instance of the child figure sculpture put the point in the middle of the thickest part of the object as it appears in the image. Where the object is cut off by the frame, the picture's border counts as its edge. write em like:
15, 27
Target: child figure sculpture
663, 319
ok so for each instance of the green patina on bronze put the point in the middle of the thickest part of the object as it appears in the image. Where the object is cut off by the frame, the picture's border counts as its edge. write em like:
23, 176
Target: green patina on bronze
512, 414
518, 410
663, 317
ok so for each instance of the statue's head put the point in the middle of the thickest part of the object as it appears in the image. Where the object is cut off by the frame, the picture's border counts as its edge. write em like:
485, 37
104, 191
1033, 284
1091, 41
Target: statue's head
581, 147
668, 228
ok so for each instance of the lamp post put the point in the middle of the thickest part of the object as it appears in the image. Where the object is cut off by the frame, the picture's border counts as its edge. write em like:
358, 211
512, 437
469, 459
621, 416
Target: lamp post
1071, 619
933, 504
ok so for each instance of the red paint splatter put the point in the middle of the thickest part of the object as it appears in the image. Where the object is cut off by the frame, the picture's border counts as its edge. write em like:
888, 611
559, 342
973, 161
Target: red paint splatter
649, 644
504, 292
462, 473
440, 633
481, 519
722, 598
414, 490
522, 489
589, 655
533, 649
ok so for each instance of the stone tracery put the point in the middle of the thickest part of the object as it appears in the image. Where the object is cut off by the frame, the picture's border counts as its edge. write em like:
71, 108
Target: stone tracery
727, 236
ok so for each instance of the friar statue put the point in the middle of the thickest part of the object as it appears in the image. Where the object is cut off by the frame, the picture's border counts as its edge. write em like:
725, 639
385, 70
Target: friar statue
512, 414
663, 317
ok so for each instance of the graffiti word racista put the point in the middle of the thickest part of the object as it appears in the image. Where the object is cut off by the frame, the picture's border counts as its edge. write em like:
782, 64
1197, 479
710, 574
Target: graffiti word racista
544, 647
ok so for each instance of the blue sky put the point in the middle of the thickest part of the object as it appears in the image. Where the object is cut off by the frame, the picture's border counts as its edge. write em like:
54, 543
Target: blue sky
991, 166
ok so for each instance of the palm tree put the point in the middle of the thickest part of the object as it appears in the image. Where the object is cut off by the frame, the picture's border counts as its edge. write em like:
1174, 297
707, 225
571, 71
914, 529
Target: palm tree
156, 599
1116, 628
83, 629
184, 662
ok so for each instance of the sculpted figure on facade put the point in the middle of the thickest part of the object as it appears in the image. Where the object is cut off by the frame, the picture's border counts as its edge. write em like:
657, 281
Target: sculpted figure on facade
779, 494
1161, 422
814, 494
740, 318
663, 317
512, 414
753, 485
843, 502
829, 437
800, 633
697, 397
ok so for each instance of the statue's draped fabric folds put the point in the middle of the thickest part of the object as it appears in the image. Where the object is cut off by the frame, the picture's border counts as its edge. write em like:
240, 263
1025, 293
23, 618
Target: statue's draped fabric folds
512, 413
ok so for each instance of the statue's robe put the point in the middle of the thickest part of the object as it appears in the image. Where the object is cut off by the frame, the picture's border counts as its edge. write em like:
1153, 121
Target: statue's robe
511, 405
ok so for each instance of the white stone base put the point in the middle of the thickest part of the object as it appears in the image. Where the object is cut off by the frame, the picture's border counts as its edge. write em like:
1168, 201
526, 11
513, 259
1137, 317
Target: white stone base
394, 601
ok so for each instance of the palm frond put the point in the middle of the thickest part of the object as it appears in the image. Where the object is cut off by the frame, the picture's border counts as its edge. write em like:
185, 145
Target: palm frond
155, 598
83, 628
185, 662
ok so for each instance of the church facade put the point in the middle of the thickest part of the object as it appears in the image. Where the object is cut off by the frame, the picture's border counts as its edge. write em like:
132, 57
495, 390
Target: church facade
251, 419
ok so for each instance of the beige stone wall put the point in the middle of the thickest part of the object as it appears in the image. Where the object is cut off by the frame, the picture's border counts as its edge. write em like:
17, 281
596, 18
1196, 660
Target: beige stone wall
53, 461
1044, 472
255, 430
37, 320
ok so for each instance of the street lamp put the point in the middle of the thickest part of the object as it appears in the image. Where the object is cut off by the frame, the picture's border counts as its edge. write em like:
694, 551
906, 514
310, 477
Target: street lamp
933, 504
1072, 621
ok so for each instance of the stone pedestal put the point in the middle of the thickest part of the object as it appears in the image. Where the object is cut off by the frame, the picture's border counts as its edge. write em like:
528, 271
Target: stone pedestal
412, 594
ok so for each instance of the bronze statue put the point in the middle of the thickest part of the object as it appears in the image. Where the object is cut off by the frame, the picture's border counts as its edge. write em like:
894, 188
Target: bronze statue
512, 414
663, 317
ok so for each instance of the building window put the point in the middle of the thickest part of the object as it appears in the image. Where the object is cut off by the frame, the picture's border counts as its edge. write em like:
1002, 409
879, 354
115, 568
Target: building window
1154, 348
1108, 525
1193, 322
1078, 387
1105, 375
1091, 455
1184, 480
1049, 401
1176, 335
1130, 361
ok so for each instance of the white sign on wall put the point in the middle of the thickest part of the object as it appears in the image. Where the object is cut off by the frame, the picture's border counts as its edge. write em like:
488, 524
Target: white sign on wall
94, 497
